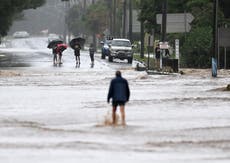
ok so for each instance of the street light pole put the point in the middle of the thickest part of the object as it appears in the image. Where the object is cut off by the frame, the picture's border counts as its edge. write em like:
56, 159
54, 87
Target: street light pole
65, 28
215, 37
114, 17
164, 20
130, 20
142, 35
124, 19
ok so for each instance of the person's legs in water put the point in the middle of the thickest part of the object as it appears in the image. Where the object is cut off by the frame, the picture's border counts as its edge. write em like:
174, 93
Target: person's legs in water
122, 110
114, 114
92, 59
54, 59
59, 58
76, 58
79, 62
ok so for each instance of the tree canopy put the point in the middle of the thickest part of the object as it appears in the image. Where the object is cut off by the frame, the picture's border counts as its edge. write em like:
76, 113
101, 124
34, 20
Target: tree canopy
196, 44
9, 9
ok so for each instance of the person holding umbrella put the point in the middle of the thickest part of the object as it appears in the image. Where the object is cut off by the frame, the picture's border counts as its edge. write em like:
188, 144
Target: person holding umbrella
60, 49
76, 44
53, 45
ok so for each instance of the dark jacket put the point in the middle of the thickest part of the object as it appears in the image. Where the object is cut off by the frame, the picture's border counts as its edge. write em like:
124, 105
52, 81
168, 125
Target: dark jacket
91, 50
119, 90
157, 52
77, 50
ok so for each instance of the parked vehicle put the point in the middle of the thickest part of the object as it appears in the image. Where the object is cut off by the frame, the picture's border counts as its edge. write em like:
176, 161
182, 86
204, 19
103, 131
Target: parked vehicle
105, 48
121, 49
21, 34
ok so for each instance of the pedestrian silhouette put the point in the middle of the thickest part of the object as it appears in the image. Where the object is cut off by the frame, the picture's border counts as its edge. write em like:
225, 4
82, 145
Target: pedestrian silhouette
91, 54
119, 92
77, 49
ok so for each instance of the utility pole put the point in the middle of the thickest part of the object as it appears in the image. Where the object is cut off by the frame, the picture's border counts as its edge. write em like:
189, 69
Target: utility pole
124, 19
164, 20
142, 36
131, 21
215, 37
84, 5
66, 27
94, 34
110, 17
114, 16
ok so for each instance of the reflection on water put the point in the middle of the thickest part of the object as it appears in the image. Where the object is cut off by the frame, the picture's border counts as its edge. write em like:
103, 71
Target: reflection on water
11, 60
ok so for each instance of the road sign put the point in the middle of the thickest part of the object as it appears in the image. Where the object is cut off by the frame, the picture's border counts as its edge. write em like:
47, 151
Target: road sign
177, 23
164, 45
177, 27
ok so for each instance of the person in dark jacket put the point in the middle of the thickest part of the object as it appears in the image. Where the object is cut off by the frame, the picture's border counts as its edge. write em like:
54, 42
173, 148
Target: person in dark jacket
91, 54
158, 54
119, 92
77, 49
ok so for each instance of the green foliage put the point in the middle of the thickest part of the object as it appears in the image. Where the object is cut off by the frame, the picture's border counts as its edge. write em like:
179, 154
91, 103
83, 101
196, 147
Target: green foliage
96, 18
10, 8
92, 20
196, 49
149, 9
197, 44
74, 20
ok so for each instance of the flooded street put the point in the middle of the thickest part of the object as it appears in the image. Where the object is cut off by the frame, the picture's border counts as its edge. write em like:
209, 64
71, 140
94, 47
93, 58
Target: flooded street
57, 114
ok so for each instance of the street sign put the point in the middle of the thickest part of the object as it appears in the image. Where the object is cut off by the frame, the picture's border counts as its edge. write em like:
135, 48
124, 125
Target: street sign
177, 23
164, 45
176, 18
177, 27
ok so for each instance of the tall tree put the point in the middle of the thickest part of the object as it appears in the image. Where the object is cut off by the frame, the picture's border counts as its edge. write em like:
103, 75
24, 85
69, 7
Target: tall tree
196, 47
9, 9
75, 20
95, 19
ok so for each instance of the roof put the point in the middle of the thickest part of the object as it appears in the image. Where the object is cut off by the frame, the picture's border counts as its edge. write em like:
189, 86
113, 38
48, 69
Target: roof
121, 39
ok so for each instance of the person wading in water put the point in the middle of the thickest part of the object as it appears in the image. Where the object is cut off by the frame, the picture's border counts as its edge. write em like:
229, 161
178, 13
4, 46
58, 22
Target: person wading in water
120, 93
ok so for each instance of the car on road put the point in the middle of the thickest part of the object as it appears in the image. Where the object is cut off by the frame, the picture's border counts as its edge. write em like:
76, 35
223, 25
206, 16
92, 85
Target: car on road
121, 49
105, 48
21, 34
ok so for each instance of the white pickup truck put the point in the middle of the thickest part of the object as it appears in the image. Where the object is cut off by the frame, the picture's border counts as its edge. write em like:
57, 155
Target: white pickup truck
121, 49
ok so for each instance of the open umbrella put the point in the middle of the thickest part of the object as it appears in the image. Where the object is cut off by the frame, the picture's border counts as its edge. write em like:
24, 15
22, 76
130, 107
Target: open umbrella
61, 47
75, 41
54, 43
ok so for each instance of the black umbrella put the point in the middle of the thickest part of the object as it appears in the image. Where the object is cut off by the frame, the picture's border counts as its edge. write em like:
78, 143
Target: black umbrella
54, 43
76, 41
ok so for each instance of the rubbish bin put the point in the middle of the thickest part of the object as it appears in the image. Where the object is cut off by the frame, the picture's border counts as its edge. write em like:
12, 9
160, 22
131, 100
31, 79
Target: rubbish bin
172, 63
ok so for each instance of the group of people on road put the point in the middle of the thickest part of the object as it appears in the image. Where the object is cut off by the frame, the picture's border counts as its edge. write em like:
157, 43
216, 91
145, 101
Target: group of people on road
57, 54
